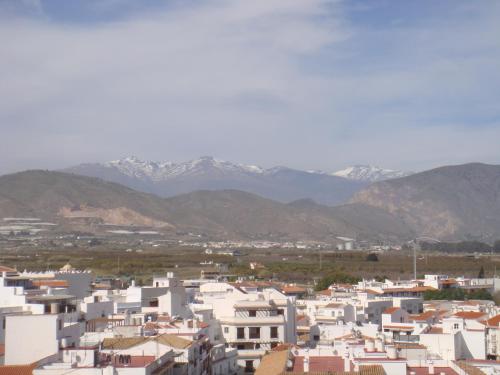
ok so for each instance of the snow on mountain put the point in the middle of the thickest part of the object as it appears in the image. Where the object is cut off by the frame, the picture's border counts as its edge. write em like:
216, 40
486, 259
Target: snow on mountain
369, 173
168, 179
165, 170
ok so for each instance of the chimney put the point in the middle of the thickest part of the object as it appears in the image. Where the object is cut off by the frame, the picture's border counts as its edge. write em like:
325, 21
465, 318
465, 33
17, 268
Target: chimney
306, 362
347, 362
431, 368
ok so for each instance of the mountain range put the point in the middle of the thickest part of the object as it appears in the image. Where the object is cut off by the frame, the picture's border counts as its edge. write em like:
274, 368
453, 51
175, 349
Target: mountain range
282, 184
90, 204
447, 203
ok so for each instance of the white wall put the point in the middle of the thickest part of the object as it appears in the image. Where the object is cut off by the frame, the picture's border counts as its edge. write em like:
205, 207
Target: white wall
30, 338
79, 283
441, 344
473, 345
94, 310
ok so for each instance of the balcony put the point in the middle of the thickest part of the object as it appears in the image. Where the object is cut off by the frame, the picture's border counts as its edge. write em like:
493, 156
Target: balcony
251, 353
253, 341
247, 321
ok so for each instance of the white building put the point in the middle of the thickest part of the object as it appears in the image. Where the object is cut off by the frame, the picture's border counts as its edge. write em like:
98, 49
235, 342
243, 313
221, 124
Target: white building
30, 338
251, 321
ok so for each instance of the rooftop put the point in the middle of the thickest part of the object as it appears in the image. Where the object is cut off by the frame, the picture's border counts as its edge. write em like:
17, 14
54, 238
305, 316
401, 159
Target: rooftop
470, 314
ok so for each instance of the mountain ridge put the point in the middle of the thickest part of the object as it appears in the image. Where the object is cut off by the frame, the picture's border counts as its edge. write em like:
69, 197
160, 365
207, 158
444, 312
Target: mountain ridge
169, 179
89, 204
370, 173
448, 203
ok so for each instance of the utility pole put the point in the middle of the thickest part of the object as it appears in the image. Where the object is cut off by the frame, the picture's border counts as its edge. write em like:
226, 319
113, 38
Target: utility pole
415, 259
415, 263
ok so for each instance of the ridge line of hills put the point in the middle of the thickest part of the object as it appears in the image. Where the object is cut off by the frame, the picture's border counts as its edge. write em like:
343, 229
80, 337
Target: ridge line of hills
283, 184
449, 203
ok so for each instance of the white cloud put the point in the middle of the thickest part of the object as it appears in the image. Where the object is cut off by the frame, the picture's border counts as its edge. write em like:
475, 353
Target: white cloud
274, 82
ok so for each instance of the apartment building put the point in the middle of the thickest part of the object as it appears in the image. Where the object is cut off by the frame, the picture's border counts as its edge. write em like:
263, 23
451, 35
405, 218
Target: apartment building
251, 320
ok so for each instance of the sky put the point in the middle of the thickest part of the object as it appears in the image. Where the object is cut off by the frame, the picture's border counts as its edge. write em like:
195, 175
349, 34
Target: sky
309, 84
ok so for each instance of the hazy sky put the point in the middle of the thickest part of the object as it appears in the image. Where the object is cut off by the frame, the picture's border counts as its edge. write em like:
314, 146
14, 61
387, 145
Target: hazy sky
312, 84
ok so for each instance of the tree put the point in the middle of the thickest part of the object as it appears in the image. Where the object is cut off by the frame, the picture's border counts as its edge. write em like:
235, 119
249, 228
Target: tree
456, 294
372, 257
480, 294
336, 277
481, 273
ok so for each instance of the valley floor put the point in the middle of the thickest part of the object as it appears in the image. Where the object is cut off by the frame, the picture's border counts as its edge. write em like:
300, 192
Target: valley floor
140, 261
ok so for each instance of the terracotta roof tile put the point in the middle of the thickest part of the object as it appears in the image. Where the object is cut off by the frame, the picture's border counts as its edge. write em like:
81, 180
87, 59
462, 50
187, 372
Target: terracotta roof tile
174, 341
469, 314
7, 269
326, 292
319, 364
423, 316
398, 327
122, 343
273, 363
435, 330
494, 321
51, 283
391, 310
18, 369
292, 289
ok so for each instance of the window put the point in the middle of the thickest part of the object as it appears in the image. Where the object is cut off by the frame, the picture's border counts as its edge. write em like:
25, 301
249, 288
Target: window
4, 322
240, 347
455, 326
254, 332
124, 359
226, 329
59, 322
274, 332
249, 366
281, 312
252, 313
257, 346
240, 333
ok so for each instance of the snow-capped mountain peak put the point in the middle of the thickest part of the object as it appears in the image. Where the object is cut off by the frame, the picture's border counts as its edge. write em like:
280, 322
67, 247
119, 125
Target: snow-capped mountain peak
164, 170
369, 173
